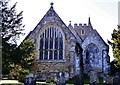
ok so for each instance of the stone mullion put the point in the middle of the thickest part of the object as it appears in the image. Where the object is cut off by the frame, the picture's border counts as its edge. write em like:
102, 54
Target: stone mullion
62, 47
43, 45
58, 45
39, 46
48, 44
53, 44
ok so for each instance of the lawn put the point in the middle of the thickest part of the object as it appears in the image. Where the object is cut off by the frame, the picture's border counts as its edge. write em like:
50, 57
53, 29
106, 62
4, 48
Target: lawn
15, 82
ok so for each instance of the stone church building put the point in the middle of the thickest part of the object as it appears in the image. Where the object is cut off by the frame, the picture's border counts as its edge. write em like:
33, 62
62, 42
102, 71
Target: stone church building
72, 50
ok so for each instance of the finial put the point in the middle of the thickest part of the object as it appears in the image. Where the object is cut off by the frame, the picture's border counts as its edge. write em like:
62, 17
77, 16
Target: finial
70, 24
89, 22
51, 3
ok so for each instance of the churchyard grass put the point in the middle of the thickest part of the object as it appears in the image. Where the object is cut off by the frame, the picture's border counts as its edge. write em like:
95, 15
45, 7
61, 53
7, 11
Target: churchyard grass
44, 83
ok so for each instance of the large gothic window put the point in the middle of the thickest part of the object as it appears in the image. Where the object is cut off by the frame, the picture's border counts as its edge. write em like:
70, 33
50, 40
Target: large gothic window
91, 54
51, 44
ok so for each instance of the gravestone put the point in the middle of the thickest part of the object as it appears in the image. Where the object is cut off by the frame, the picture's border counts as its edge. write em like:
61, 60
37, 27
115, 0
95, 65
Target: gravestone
94, 80
78, 80
107, 79
61, 79
116, 79
30, 81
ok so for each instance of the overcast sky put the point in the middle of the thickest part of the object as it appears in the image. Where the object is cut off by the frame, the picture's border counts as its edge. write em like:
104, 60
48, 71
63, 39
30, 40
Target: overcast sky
103, 13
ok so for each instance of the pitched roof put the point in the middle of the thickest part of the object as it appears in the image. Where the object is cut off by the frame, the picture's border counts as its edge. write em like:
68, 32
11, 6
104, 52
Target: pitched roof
94, 35
50, 17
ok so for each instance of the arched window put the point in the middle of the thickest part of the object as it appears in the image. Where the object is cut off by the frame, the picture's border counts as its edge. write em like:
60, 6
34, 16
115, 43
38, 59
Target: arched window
82, 31
91, 53
51, 44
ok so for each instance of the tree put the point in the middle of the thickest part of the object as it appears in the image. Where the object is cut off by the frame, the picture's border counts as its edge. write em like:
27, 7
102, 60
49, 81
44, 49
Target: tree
113, 68
12, 28
27, 54
24, 59
116, 45
16, 60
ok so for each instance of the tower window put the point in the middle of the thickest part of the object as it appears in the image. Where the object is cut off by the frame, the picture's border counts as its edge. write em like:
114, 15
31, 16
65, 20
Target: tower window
82, 32
51, 44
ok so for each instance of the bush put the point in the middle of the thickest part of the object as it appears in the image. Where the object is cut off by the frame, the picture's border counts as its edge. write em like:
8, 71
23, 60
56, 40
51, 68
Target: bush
70, 82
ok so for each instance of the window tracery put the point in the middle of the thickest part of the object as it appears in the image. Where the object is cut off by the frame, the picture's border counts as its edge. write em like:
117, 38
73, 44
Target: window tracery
51, 44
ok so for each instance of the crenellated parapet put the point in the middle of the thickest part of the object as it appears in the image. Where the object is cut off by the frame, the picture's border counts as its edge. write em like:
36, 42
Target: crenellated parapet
81, 26
82, 29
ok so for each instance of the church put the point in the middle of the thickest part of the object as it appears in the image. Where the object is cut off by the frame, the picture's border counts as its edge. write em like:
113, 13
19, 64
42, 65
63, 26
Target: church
72, 50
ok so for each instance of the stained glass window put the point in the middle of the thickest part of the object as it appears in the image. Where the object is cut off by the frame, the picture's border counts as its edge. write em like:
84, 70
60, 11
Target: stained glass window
60, 43
51, 44
41, 54
55, 54
60, 54
51, 55
45, 34
41, 43
46, 55
53, 32
56, 43
50, 33
46, 44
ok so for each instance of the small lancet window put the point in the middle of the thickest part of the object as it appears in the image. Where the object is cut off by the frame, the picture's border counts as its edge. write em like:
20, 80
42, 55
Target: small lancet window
82, 32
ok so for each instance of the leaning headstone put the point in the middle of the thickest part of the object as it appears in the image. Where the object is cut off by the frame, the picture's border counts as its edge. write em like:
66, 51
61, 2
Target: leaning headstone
116, 79
30, 81
61, 79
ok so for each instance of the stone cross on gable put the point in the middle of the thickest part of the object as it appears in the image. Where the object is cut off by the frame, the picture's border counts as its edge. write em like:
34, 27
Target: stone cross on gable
51, 3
